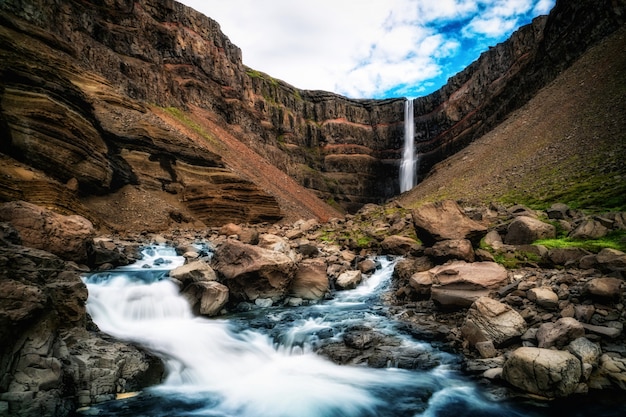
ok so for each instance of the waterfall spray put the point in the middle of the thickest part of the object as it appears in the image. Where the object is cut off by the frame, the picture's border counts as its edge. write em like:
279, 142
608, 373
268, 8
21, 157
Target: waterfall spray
408, 166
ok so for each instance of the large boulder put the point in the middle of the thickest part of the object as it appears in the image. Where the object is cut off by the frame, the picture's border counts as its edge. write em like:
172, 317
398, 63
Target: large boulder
611, 260
251, 272
445, 220
310, 281
545, 372
524, 230
589, 229
68, 237
458, 284
490, 320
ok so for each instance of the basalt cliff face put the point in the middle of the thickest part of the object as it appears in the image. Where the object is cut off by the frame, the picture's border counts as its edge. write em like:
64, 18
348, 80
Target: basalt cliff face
148, 104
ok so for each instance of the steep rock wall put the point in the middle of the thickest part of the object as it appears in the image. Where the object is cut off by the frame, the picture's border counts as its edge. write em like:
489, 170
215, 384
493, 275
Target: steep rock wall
348, 151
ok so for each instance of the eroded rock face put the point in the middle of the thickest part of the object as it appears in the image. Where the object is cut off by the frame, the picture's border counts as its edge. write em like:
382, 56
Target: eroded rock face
49, 362
69, 237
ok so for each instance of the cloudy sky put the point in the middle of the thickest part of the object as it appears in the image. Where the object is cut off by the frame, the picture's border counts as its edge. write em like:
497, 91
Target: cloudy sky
367, 48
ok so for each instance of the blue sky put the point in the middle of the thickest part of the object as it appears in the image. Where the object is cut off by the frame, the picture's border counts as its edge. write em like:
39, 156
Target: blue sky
367, 48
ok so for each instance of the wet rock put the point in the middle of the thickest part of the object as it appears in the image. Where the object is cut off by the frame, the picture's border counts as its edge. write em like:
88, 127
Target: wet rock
206, 298
490, 320
367, 266
560, 333
544, 372
445, 220
525, 230
349, 280
194, 271
310, 281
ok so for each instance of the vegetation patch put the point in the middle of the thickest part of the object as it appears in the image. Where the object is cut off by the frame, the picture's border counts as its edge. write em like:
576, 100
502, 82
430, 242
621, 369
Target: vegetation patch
614, 240
184, 119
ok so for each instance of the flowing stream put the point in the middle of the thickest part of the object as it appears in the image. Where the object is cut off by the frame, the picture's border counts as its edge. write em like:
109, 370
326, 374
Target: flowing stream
408, 165
261, 363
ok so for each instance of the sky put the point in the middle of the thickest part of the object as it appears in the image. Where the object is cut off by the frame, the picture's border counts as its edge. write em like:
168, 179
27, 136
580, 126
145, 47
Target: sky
367, 48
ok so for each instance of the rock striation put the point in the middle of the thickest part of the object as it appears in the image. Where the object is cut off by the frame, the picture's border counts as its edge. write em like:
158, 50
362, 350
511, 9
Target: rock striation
76, 70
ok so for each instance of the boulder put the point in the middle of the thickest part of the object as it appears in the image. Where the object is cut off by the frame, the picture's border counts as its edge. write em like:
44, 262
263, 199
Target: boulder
611, 260
494, 240
567, 256
525, 230
445, 220
491, 320
310, 281
589, 229
251, 272
421, 282
558, 211
544, 297
367, 266
206, 298
68, 237
606, 288
230, 229
349, 280
400, 245
451, 249
458, 284
194, 271
560, 333
545, 372
585, 350
273, 242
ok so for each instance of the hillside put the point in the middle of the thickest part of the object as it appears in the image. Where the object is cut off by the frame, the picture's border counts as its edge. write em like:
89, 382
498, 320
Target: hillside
567, 144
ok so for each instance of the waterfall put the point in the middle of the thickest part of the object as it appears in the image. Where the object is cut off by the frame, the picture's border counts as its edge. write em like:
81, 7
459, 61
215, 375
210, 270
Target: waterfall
408, 166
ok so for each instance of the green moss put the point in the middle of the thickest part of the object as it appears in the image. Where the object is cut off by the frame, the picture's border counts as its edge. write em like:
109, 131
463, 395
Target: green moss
614, 240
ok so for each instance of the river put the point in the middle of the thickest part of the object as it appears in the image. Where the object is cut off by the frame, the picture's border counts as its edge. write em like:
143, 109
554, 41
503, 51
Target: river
262, 363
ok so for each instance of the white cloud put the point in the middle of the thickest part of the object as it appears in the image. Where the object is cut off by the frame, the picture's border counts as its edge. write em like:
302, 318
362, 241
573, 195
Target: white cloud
360, 48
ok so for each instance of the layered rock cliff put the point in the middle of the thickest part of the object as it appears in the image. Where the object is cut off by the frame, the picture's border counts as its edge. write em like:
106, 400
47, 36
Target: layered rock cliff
101, 97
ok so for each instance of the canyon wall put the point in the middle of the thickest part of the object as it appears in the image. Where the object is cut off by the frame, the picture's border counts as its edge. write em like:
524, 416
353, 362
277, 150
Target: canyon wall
81, 81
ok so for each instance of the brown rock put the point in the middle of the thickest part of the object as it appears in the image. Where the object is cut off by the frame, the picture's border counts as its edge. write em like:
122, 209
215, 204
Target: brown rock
607, 288
206, 298
491, 320
525, 230
445, 250
445, 220
68, 237
560, 333
251, 272
545, 372
310, 281
400, 245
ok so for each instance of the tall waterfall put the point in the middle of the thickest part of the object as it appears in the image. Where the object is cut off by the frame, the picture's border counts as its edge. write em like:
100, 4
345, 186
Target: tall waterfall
408, 166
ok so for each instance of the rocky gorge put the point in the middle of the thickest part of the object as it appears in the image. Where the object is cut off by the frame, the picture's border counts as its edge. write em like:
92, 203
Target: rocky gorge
128, 124
550, 327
